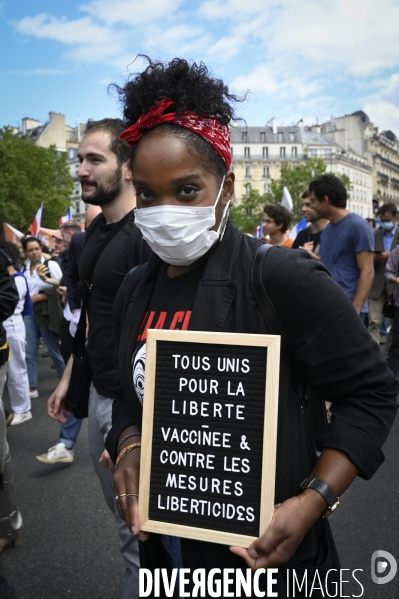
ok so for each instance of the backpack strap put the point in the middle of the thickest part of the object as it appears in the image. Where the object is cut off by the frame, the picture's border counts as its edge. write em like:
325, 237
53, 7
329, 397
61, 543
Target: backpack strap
126, 287
315, 416
269, 313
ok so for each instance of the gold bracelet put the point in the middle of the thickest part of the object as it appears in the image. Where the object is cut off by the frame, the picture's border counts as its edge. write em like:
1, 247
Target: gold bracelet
125, 451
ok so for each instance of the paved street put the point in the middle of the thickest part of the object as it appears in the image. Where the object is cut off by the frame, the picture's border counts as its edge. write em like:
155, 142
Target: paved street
69, 546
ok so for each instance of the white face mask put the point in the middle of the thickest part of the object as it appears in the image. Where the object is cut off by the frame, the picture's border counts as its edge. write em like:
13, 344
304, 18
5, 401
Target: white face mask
180, 235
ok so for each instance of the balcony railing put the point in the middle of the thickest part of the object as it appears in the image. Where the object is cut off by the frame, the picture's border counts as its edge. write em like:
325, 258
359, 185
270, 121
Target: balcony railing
270, 157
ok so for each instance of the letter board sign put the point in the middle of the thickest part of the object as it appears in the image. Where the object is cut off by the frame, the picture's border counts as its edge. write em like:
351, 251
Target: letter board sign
209, 435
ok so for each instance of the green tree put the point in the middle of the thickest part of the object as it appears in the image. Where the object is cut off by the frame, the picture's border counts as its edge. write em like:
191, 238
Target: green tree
247, 215
297, 178
31, 175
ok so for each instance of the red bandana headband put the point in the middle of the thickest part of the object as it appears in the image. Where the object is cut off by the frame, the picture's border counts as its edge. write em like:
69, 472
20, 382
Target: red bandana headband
217, 135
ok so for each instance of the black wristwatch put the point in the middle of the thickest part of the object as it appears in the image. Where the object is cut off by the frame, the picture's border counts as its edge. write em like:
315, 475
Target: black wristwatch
325, 491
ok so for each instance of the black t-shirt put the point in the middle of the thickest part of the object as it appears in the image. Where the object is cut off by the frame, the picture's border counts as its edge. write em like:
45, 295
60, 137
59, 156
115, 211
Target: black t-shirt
170, 308
306, 235
110, 271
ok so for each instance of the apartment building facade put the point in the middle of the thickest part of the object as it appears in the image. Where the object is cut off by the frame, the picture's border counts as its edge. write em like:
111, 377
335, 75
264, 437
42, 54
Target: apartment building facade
259, 153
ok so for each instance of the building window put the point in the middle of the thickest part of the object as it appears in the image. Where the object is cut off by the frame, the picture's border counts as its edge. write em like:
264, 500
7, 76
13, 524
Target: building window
262, 136
72, 153
247, 152
266, 172
327, 152
266, 187
291, 136
313, 153
247, 190
282, 152
294, 152
248, 172
77, 206
244, 135
265, 152
280, 136
77, 188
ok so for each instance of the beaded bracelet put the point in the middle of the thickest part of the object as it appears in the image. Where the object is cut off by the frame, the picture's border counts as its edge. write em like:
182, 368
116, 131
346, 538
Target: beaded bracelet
124, 439
125, 451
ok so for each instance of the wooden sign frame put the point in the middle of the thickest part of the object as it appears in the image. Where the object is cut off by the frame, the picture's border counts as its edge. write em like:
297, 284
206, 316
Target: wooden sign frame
272, 343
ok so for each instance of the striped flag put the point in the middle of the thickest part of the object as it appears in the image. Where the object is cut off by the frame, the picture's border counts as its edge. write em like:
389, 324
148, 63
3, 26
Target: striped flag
259, 232
67, 217
37, 222
298, 227
286, 200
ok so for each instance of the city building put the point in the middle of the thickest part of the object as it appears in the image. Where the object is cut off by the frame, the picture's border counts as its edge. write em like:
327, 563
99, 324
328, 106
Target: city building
357, 133
259, 153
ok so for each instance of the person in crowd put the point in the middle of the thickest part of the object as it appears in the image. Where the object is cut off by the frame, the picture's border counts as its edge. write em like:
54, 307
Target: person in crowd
347, 243
71, 275
392, 279
106, 181
17, 381
63, 451
181, 165
59, 246
276, 220
386, 238
309, 239
47, 312
10, 516
372, 223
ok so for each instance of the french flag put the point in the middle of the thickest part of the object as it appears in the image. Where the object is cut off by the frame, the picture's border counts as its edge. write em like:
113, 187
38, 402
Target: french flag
67, 217
298, 227
37, 222
259, 232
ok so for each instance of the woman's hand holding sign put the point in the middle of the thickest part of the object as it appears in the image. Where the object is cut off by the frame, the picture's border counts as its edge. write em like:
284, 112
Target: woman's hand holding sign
291, 521
125, 485
293, 518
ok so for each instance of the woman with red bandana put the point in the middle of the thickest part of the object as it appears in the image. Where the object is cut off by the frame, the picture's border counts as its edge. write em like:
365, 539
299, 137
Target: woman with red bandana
178, 117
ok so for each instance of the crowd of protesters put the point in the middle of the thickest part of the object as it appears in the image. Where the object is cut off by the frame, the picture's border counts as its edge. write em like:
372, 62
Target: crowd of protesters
175, 151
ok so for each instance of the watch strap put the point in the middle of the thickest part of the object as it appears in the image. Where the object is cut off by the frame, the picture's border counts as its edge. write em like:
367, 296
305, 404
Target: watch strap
324, 490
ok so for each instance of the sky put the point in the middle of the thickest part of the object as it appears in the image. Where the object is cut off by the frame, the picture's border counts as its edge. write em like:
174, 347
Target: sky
311, 59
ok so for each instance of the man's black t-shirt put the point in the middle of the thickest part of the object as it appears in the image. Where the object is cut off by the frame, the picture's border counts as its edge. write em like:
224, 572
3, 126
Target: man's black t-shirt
170, 308
110, 271
306, 235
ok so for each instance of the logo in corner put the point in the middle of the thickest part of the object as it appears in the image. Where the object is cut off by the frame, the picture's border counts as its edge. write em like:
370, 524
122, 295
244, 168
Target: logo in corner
383, 567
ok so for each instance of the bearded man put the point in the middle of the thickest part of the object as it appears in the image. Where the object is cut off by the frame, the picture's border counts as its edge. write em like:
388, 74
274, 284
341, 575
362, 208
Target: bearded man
106, 181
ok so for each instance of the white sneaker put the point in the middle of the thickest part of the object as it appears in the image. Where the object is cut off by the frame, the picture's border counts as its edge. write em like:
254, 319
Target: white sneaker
20, 418
57, 454
34, 394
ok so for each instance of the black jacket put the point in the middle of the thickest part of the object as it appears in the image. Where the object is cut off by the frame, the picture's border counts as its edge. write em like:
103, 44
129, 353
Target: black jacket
8, 294
332, 347
71, 275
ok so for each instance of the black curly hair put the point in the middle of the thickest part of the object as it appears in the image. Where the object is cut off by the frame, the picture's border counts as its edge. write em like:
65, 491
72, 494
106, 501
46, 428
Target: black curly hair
192, 87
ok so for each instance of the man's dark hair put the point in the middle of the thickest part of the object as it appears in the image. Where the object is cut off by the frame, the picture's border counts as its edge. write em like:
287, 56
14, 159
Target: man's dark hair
332, 187
388, 208
306, 194
12, 252
29, 239
114, 127
193, 88
71, 225
279, 214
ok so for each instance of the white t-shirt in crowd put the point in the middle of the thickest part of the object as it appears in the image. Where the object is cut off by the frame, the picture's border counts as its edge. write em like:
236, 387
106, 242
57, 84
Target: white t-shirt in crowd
35, 283
20, 283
